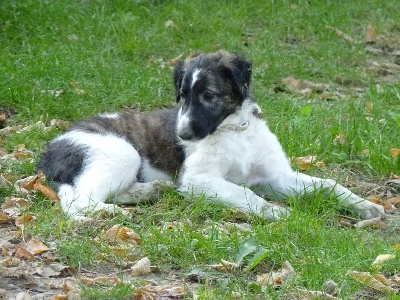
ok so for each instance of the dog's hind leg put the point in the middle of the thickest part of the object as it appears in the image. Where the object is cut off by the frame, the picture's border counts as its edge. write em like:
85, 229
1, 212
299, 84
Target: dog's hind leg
140, 192
110, 167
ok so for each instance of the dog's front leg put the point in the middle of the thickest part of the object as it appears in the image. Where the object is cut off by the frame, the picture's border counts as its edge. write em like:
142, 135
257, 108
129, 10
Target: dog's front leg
233, 195
299, 183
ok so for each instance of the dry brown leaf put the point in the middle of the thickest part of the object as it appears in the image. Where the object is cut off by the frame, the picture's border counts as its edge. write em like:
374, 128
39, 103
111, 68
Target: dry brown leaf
305, 162
367, 279
4, 219
378, 199
23, 253
341, 34
35, 247
60, 123
37, 184
14, 206
279, 277
119, 233
371, 34
395, 201
4, 182
370, 106
394, 176
11, 262
395, 153
151, 292
24, 219
374, 222
340, 139
311, 295
142, 267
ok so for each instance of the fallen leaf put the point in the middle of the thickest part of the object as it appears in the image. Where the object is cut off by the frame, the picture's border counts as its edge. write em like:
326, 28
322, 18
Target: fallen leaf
367, 279
305, 162
61, 297
24, 219
340, 33
14, 206
225, 266
378, 199
170, 24
35, 247
142, 267
153, 292
371, 34
4, 219
23, 253
37, 184
374, 222
380, 259
60, 123
279, 277
395, 201
370, 106
394, 176
340, 139
395, 153
119, 233
310, 295
11, 262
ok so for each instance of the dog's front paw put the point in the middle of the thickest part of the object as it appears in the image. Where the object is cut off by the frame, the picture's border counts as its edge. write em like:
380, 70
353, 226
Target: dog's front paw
275, 213
368, 210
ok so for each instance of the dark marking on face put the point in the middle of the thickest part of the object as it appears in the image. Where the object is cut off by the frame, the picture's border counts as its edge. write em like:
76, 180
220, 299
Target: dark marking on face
210, 87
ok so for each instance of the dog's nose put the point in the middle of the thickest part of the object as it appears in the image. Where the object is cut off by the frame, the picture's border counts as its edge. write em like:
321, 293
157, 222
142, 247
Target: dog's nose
185, 134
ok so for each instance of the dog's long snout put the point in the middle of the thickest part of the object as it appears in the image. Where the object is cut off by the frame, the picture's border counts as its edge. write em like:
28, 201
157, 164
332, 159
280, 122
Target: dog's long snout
186, 133
184, 128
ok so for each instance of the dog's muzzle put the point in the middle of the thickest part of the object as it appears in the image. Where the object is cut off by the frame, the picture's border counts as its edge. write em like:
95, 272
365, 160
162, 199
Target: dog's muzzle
184, 128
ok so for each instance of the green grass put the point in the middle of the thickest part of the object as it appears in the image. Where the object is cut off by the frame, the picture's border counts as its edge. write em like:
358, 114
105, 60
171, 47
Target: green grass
115, 55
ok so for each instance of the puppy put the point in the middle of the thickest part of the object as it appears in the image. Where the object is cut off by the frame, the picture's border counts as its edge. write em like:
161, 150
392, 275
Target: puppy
215, 144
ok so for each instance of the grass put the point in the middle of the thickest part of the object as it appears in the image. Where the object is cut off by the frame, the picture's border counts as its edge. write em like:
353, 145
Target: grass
104, 56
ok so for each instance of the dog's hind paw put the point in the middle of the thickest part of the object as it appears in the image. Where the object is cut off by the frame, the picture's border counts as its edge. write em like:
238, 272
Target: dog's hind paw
275, 213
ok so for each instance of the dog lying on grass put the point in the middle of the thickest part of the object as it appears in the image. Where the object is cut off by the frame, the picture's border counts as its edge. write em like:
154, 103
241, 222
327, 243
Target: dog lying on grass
214, 143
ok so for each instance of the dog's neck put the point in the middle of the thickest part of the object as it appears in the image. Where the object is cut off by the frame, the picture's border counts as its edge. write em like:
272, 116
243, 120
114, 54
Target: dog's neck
241, 119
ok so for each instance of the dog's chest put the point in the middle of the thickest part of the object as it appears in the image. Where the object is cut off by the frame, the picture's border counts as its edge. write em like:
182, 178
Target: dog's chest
230, 154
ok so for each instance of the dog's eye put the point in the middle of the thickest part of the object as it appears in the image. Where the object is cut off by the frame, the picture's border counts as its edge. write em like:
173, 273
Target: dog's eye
208, 96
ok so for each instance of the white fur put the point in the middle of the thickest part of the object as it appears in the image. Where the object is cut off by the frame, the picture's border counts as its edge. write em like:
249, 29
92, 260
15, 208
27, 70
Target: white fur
111, 168
110, 116
183, 121
241, 153
195, 77
223, 165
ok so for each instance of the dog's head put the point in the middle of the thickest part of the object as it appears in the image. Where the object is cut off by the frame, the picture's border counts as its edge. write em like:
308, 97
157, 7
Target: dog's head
209, 87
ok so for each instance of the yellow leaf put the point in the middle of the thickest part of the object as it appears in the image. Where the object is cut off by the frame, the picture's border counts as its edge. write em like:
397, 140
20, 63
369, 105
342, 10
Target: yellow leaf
367, 279
305, 162
380, 259
395, 153
119, 233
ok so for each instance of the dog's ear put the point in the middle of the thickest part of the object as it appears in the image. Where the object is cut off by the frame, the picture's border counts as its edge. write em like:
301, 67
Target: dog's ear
242, 75
178, 77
